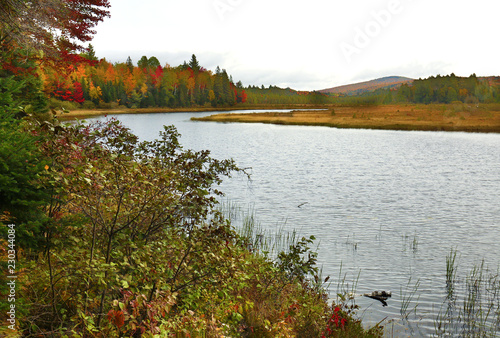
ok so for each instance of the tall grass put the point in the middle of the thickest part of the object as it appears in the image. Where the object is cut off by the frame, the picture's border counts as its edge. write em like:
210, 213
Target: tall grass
259, 240
271, 243
451, 274
474, 309
407, 297
346, 293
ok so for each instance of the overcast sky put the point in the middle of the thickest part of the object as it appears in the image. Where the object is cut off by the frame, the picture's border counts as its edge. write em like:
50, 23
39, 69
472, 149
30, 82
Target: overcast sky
308, 45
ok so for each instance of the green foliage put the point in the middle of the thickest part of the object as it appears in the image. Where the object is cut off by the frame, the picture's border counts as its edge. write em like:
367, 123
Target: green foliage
22, 167
442, 89
298, 262
20, 66
276, 95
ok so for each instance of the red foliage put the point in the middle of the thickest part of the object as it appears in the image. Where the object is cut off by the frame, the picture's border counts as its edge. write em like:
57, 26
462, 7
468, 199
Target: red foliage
78, 93
116, 317
336, 321
241, 97
57, 27
17, 70
157, 75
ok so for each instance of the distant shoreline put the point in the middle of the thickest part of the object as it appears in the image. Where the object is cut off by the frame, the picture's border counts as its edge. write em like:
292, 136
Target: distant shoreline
481, 118
85, 113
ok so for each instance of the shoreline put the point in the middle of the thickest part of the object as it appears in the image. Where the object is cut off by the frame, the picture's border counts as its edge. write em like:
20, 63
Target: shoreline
482, 118
83, 113
439, 117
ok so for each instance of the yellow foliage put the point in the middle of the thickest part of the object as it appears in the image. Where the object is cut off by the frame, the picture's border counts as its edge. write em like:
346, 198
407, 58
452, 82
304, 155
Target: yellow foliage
144, 89
95, 92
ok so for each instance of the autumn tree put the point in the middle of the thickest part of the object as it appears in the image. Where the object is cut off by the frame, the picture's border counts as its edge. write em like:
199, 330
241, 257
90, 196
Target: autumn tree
52, 26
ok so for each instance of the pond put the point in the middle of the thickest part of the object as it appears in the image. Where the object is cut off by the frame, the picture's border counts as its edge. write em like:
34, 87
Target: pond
386, 206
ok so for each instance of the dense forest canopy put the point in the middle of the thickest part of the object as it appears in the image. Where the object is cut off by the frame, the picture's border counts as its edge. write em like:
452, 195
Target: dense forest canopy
147, 84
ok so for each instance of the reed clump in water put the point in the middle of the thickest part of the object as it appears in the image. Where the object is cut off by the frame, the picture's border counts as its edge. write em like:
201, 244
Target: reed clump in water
472, 304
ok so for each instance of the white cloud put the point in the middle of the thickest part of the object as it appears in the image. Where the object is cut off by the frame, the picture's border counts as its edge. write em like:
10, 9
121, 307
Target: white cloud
298, 44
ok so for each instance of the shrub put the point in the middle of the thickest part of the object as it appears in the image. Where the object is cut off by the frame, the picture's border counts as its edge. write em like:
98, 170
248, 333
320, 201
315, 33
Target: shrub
58, 104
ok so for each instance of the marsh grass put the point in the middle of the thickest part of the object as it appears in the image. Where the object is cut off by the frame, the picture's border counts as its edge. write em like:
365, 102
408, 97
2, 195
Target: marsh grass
407, 297
477, 118
352, 242
451, 274
346, 292
472, 304
410, 242
257, 239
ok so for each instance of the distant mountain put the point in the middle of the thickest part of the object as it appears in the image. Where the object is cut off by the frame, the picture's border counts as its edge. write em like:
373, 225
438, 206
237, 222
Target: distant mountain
369, 86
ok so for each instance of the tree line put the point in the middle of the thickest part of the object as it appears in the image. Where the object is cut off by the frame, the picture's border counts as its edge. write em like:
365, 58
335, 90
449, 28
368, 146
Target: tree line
447, 89
95, 82
435, 89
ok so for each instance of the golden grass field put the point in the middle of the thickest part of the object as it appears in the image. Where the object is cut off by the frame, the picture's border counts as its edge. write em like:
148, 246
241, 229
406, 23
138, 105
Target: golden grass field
433, 117
84, 113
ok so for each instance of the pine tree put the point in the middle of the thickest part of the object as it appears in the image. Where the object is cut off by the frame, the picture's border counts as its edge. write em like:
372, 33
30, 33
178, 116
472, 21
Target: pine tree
130, 65
195, 66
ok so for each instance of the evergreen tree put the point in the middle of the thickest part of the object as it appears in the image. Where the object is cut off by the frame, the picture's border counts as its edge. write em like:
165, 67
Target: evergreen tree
130, 65
195, 66
22, 167
90, 53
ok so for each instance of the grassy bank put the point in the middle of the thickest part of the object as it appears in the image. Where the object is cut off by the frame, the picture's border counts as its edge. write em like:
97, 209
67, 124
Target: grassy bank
434, 117
85, 113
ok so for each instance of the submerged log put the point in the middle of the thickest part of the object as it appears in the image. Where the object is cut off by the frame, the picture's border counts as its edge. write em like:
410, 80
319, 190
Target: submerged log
381, 296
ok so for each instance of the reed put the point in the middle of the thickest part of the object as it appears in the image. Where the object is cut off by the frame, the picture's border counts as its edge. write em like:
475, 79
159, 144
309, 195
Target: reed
451, 273
473, 310
256, 238
407, 296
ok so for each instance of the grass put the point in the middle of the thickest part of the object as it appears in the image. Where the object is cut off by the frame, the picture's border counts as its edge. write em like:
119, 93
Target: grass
451, 117
407, 296
472, 304
72, 113
451, 273
257, 239
410, 242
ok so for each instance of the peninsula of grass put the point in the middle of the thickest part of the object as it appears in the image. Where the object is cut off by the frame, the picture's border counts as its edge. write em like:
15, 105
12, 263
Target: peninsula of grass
432, 117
